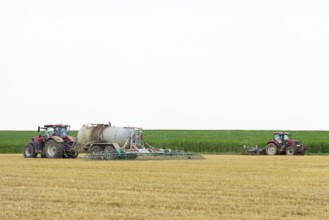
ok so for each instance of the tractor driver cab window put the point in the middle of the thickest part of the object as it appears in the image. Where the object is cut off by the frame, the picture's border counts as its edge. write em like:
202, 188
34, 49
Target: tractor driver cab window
277, 137
286, 137
49, 132
62, 132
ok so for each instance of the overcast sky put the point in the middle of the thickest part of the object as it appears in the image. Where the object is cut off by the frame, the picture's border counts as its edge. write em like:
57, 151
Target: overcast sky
174, 64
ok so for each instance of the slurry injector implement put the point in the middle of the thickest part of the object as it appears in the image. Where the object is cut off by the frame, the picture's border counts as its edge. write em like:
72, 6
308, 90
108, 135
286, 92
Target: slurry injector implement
105, 142
123, 155
281, 144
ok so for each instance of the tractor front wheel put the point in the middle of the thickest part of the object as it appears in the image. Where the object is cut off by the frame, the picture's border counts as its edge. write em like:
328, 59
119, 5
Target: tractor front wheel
271, 149
291, 150
54, 149
29, 151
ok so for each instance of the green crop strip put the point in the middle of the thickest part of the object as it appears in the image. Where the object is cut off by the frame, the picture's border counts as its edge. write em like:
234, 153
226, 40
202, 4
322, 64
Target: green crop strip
204, 141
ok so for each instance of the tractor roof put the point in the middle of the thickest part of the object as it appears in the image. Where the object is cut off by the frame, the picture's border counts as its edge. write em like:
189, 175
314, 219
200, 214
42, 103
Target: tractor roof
56, 125
280, 132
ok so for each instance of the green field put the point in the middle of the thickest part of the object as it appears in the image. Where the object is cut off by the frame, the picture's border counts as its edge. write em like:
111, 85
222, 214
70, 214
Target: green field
229, 141
206, 141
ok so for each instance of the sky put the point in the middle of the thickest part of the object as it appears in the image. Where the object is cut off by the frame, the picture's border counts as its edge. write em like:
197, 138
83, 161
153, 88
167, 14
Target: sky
174, 64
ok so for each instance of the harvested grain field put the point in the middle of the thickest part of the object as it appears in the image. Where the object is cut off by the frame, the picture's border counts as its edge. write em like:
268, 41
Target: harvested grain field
220, 187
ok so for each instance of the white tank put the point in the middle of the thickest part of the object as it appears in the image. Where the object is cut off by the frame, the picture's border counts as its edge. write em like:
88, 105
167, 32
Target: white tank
104, 133
118, 135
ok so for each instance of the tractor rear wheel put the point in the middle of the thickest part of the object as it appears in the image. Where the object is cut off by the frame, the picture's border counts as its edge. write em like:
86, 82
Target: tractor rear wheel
291, 150
29, 151
74, 155
70, 153
54, 149
271, 149
96, 149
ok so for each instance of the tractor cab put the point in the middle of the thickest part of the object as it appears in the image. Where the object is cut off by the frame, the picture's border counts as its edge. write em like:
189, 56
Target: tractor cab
55, 130
61, 131
281, 137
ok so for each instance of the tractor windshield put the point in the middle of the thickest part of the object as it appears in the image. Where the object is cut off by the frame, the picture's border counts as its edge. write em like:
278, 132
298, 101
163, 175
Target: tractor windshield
62, 132
279, 137
286, 137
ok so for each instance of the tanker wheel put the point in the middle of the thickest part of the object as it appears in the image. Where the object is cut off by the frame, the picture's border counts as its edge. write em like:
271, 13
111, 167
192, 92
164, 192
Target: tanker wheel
96, 149
109, 149
271, 149
29, 151
291, 150
54, 149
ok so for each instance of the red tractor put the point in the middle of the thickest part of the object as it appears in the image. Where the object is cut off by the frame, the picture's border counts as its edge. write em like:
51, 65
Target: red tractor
283, 144
55, 143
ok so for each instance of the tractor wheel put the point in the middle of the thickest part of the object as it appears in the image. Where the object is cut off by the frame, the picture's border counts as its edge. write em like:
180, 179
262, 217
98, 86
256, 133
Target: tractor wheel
64, 156
96, 149
29, 151
291, 150
271, 149
54, 149
73, 154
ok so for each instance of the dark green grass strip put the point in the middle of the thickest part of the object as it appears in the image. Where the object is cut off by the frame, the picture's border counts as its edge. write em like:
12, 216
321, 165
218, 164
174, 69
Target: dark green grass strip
204, 141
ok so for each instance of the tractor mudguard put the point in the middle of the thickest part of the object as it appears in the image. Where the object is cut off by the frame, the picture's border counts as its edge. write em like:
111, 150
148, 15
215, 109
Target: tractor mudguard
273, 142
70, 139
38, 139
56, 138
291, 142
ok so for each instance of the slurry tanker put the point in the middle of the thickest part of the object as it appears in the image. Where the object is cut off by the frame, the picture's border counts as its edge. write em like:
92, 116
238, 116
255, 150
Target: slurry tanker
104, 142
95, 138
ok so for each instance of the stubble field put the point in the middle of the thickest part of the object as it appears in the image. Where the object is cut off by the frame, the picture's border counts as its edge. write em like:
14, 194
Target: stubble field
220, 187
